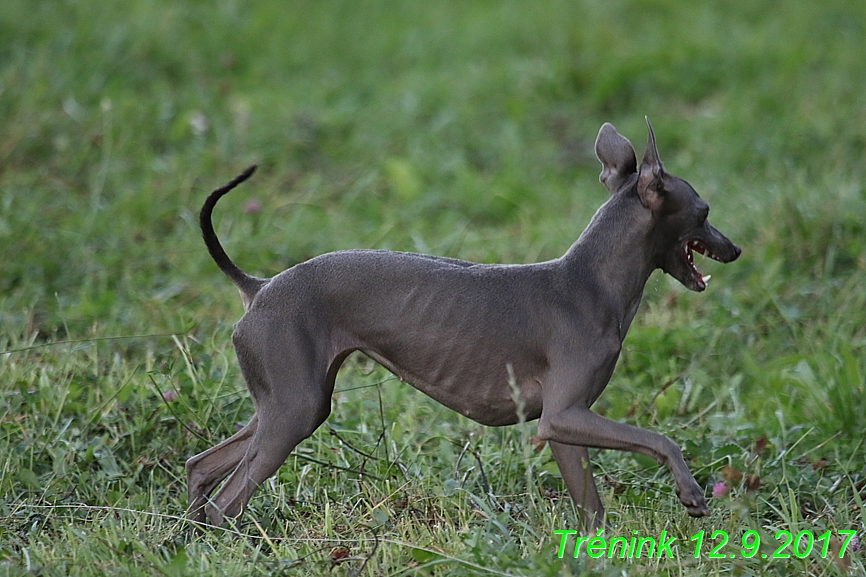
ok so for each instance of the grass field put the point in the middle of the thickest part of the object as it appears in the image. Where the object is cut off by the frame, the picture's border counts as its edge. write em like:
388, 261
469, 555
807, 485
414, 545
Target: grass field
454, 128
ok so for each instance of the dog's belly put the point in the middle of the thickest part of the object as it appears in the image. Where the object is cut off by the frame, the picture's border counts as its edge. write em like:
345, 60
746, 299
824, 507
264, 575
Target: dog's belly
487, 397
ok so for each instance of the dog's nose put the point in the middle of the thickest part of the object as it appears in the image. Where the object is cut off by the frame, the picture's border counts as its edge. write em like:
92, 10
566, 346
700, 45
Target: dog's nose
737, 252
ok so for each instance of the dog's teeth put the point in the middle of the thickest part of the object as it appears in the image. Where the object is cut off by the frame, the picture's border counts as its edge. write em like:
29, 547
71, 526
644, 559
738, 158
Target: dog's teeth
707, 278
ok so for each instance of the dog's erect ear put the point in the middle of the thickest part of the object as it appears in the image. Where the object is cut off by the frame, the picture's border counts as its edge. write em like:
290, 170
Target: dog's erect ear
649, 183
616, 155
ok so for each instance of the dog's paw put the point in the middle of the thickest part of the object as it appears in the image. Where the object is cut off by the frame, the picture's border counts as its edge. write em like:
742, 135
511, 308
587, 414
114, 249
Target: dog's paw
214, 515
692, 498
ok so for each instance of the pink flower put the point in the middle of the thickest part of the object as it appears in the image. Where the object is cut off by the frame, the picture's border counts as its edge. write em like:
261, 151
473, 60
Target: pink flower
169, 396
855, 543
253, 206
720, 489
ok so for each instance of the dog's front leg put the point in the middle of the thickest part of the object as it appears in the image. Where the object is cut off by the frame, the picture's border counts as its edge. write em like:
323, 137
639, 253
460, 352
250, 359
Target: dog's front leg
576, 470
571, 388
580, 426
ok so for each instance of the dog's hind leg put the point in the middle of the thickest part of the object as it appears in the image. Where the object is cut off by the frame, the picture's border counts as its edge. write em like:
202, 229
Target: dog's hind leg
207, 469
291, 387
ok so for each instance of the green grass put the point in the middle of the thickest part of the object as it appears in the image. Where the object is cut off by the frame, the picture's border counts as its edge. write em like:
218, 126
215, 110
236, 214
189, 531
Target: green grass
454, 128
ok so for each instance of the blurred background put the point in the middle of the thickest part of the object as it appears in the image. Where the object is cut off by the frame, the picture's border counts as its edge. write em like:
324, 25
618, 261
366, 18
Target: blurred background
461, 129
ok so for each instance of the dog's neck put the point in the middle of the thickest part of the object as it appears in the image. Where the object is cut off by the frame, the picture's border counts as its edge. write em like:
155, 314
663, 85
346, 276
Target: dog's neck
615, 251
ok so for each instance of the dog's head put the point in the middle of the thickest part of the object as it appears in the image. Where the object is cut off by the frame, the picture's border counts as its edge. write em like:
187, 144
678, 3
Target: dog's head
680, 226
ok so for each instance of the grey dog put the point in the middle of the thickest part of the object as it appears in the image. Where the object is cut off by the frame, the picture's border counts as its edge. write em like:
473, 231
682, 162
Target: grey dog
468, 335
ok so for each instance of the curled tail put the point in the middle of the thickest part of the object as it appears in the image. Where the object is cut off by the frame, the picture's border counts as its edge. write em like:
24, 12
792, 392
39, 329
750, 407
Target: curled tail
247, 285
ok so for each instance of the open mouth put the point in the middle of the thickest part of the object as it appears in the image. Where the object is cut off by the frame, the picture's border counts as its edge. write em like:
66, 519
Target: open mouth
689, 248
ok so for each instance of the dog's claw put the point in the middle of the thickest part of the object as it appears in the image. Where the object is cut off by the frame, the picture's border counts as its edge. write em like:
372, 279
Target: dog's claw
701, 511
